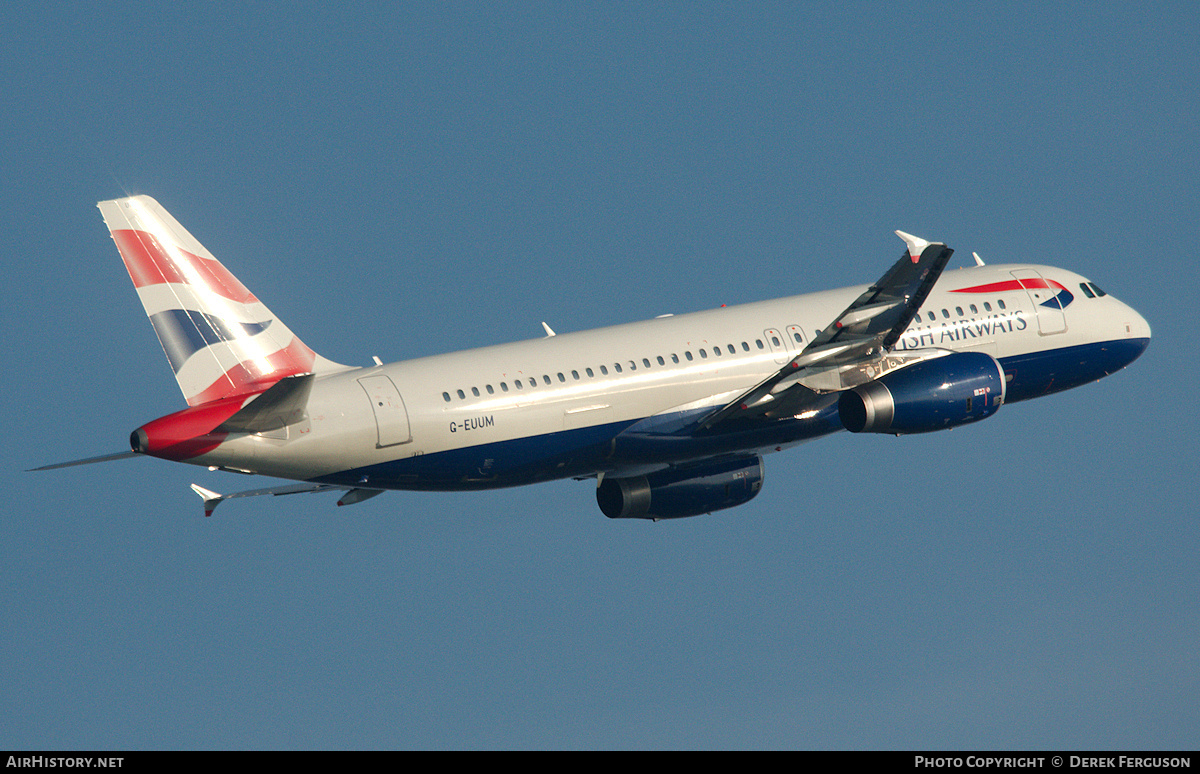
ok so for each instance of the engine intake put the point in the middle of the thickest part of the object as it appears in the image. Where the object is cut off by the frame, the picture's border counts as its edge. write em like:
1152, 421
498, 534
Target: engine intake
709, 486
931, 395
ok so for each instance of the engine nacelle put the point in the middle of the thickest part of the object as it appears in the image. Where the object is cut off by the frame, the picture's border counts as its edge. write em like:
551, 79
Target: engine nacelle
932, 395
712, 485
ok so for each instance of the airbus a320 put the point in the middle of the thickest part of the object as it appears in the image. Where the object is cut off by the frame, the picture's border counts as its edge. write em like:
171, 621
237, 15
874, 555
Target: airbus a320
671, 417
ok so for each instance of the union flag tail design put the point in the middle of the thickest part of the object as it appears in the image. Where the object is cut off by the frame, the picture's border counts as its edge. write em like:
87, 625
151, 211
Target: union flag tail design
220, 340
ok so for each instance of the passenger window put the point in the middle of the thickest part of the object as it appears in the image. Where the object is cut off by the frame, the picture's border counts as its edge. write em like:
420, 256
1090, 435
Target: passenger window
796, 336
732, 349
674, 358
503, 386
517, 384
475, 391
617, 366
490, 390
716, 351
604, 370
688, 354
632, 366
974, 309
759, 343
987, 306
561, 378
546, 378
591, 374
462, 395
958, 310
446, 396
703, 354
646, 361
775, 341
661, 361
745, 347
1001, 304
575, 375
946, 314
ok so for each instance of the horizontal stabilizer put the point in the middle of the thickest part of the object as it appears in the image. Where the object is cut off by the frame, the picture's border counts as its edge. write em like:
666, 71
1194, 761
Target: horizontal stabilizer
88, 461
281, 405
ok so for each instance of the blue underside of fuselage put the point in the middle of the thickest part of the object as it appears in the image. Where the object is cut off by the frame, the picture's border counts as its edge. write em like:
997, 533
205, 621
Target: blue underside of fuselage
583, 451
1055, 370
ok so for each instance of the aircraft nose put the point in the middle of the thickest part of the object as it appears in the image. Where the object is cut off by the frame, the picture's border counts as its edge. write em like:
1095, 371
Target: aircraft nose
1136, 326
1135, 331
1143, 326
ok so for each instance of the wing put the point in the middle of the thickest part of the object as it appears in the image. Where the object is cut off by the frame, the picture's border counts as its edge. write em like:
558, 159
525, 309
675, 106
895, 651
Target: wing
213, 499
854, 348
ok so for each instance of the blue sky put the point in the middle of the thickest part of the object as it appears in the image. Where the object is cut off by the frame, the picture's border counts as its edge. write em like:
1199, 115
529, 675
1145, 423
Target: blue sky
406, 179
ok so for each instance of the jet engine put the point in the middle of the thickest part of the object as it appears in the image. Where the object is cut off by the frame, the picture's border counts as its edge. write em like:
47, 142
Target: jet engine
691, 490
931, 395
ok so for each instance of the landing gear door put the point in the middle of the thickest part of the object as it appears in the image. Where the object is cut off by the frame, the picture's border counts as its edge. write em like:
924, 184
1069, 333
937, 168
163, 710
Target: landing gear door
391, 418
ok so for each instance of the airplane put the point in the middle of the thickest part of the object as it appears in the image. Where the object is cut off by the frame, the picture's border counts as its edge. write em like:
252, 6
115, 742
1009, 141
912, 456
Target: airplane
670, 416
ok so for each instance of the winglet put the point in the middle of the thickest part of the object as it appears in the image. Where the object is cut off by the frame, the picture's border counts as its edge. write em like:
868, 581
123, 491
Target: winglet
549, 332
211, 499
916, 245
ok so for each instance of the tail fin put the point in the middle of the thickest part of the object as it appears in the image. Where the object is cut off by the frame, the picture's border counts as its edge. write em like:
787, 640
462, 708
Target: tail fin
220, 340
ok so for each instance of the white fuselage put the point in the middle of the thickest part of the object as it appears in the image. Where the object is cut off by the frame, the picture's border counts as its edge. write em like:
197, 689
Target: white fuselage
473, 419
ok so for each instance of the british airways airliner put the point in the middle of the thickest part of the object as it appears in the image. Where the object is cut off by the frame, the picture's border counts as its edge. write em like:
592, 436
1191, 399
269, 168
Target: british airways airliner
671, 417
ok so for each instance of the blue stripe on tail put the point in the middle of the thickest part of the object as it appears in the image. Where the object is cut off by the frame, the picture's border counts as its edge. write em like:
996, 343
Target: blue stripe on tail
183, 332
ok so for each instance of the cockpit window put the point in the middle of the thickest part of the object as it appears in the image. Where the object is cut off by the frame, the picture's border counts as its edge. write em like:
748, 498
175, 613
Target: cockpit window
1096, 288
1086, 290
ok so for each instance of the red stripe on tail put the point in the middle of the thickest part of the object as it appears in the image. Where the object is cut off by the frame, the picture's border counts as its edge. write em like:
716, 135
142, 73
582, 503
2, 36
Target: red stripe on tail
251, 376
150, 262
